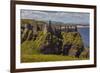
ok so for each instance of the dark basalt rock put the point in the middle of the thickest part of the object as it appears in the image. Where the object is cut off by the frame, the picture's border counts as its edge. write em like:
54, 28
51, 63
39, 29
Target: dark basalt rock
66, 49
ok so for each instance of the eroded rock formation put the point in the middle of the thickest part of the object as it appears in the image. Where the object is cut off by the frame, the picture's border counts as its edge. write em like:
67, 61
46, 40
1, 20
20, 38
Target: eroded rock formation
54, 41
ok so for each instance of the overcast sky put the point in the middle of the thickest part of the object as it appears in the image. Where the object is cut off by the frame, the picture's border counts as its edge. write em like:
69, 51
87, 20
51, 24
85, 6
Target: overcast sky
66, 17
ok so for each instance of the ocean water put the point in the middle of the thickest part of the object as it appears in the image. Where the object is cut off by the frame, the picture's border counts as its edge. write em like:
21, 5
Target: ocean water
85, 36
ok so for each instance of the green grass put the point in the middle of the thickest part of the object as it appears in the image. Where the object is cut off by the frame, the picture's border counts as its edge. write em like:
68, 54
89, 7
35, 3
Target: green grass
47, 58
73, 38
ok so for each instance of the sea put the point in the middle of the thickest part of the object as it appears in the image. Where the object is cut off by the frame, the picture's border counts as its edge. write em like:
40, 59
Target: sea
85, 36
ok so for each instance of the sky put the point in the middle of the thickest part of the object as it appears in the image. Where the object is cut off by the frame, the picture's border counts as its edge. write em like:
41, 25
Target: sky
58, 16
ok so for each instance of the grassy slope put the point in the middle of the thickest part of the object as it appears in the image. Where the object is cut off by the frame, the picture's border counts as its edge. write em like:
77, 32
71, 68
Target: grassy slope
46, 58
31, 47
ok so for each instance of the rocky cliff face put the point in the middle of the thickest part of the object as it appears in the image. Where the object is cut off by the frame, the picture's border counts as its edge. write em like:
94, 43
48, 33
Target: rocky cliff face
70, 44
59, 43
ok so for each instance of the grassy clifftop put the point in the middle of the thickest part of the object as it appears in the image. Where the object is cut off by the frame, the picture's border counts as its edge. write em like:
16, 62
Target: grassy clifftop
73, 38
30, 21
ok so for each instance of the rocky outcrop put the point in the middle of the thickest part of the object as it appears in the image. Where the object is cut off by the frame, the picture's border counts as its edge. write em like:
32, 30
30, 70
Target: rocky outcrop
85, 53
72, 43
68, 43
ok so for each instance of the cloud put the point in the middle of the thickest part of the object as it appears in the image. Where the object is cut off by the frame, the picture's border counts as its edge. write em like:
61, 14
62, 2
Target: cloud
66, 17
